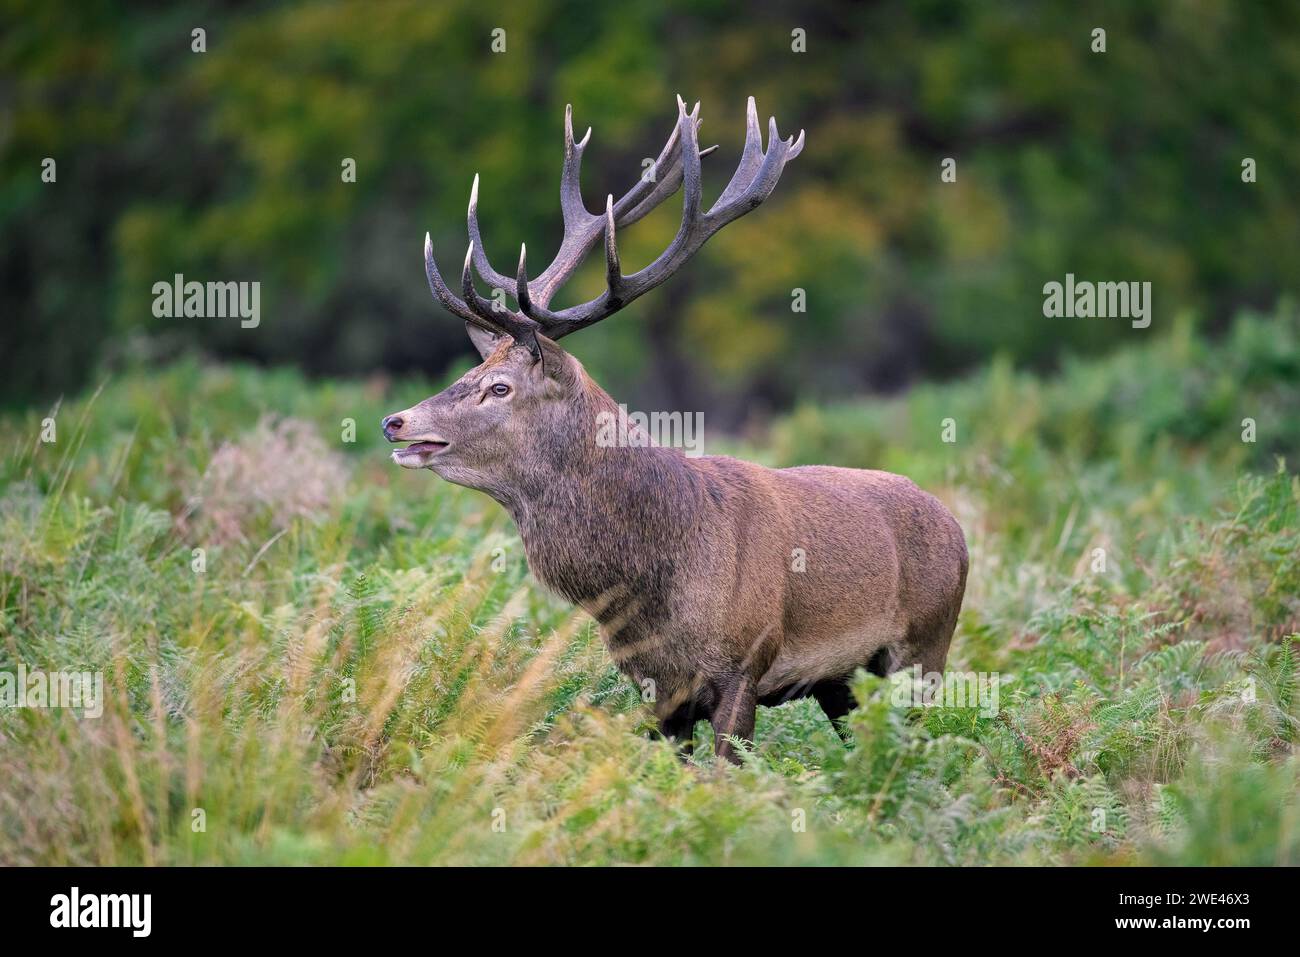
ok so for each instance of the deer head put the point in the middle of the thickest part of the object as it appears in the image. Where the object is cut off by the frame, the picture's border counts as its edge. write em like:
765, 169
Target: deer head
490, 428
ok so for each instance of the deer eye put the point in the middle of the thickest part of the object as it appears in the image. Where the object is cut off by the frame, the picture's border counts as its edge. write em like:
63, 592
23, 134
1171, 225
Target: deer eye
500, 390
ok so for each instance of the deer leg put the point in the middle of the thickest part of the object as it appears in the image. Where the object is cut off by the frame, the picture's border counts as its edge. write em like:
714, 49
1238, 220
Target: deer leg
679, 728
927, 644
733, 714
837, 701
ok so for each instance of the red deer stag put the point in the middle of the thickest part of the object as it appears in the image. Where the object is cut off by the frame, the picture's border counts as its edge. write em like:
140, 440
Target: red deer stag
725, 584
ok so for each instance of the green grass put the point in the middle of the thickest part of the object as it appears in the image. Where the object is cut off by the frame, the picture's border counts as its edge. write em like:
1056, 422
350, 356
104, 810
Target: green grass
364, 673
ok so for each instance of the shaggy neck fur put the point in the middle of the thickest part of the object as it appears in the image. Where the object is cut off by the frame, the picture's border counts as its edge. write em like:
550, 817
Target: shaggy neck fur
576, 505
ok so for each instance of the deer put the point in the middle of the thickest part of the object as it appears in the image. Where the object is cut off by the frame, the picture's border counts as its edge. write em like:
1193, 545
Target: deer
718, 584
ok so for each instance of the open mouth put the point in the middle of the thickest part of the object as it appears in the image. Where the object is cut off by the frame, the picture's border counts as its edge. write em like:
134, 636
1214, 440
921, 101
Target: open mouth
418, 454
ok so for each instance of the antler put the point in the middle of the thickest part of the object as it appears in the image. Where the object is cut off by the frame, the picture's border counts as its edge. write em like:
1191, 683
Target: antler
753, 182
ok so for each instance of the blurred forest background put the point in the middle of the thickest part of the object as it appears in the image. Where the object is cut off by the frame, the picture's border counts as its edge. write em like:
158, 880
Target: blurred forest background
225, 165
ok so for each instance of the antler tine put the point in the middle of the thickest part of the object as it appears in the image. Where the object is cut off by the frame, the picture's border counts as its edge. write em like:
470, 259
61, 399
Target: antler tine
477, 304
521, 281
613, 270
750, 159
450, 301
796, 147
572, 207
490, 275
692, 183
753, 181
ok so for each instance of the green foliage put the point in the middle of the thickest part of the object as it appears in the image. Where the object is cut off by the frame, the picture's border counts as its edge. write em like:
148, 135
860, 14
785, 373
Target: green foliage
363, 672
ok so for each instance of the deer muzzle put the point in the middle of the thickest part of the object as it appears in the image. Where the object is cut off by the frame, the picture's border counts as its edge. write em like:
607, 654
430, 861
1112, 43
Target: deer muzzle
423, 448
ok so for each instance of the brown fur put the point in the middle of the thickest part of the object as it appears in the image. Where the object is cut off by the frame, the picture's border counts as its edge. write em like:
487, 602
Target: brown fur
688, 563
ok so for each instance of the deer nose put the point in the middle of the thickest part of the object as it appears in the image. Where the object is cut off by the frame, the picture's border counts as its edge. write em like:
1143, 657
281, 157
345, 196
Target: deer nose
392, 424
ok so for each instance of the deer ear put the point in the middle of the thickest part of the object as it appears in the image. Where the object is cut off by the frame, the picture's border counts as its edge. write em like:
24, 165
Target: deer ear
485, 341
557, 363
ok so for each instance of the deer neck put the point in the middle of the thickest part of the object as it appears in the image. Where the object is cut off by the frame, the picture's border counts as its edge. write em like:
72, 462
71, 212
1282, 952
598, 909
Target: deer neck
596, 514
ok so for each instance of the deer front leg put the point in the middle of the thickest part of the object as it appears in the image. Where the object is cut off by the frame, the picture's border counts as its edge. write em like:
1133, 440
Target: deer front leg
679, 728
737, 701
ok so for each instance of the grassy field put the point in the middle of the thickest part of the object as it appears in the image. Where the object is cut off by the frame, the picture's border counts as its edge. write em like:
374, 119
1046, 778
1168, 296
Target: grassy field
355, 667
